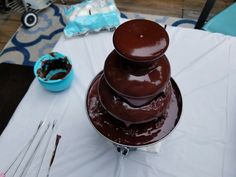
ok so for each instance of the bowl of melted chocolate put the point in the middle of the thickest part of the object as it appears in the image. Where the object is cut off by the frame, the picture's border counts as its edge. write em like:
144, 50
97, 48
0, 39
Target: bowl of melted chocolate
134, 102
54, 71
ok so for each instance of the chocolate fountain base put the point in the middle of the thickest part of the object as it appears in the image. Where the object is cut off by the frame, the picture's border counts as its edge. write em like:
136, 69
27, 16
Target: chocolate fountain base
134, 135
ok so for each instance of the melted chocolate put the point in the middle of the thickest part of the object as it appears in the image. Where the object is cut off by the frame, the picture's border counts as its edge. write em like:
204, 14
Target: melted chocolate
61, 68
134, 82
135, 102
140, 40
122, 110
135, 134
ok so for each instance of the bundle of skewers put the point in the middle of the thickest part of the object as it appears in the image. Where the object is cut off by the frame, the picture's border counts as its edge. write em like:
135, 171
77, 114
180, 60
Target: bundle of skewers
23, 160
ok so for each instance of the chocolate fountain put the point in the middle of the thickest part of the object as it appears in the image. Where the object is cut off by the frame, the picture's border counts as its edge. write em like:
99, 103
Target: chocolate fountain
134, 102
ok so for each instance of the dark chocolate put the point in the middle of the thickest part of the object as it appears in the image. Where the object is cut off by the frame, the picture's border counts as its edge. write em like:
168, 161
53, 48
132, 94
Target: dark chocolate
122, 110
135, 134
136, 82
140, 40
55, 64
134, 101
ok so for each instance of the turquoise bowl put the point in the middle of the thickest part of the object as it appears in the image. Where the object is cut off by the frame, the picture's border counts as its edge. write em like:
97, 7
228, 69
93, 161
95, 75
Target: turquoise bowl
54, 85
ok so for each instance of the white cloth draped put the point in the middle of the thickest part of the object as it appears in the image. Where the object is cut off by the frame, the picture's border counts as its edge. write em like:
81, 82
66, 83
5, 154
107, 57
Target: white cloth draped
203, 144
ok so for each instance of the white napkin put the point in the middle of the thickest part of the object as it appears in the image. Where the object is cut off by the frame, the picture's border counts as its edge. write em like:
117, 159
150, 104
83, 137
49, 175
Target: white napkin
152, 148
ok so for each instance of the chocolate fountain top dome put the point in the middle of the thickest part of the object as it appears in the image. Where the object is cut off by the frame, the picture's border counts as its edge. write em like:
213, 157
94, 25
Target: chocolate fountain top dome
140, 40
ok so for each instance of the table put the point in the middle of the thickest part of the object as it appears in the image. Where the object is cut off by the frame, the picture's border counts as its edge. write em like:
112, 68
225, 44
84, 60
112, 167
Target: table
203, 144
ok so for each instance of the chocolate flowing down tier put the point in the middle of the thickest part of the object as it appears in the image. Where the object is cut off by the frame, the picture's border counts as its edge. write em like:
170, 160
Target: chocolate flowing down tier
122, 110
137, 85
134, 101
134, 135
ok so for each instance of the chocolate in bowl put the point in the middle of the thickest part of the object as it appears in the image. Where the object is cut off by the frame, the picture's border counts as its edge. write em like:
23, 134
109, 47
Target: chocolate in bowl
123, 111
53, 69
137, 85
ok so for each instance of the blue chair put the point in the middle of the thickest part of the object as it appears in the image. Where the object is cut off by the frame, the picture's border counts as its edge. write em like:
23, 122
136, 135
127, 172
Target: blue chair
224, 22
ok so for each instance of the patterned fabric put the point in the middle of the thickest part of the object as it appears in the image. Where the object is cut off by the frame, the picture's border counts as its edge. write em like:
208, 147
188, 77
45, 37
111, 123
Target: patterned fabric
27, 45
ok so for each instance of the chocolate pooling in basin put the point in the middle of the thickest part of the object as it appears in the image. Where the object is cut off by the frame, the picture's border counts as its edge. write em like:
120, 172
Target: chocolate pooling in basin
134, 101
54, 69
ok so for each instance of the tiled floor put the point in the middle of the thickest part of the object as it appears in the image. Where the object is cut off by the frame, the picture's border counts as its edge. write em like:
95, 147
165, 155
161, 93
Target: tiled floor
176, 8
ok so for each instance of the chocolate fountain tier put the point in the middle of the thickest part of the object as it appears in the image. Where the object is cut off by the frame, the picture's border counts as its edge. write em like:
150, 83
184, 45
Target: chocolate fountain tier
136, 83
140, 40
135, 135
123, 111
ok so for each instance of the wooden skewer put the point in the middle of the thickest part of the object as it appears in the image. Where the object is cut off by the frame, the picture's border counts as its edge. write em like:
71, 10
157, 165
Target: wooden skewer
54, 153
46, 147
41, 123
34, 152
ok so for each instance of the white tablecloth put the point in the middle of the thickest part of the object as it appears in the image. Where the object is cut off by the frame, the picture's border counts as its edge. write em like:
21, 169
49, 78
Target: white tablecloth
203, 144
